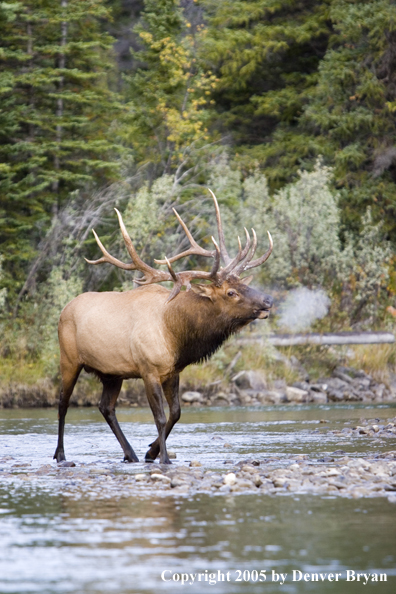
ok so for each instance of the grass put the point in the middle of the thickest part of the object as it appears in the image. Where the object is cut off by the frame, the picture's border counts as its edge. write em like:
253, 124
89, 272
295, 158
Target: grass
22, 371
378, 360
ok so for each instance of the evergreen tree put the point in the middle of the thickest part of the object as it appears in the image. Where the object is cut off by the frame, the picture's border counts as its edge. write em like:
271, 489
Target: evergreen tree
351, 114
299, 80
56, 111
169, 92
266, 54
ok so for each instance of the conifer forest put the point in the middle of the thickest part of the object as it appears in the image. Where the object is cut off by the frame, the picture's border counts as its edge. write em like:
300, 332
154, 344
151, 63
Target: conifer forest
286, 109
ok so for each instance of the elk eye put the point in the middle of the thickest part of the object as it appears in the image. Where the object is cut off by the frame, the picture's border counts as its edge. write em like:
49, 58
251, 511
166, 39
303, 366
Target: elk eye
231, 293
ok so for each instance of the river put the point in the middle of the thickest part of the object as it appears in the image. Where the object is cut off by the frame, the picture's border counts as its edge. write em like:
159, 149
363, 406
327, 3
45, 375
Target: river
54, 541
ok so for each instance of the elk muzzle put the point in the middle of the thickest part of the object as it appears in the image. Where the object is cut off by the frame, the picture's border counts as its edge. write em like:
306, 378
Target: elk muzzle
262, 312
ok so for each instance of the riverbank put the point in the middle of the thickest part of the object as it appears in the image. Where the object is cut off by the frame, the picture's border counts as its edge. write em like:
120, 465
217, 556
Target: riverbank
245, 388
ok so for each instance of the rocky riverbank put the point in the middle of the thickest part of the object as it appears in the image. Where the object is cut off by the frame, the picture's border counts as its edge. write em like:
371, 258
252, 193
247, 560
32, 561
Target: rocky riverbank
246, 388
250, 388
335, 475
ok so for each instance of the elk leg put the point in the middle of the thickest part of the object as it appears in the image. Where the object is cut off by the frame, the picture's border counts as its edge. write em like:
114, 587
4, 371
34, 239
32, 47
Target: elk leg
69, 378
155, 398
111, 389
171, 392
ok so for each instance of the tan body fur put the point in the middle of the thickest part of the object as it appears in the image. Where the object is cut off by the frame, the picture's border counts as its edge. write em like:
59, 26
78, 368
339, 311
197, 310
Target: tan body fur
87, 333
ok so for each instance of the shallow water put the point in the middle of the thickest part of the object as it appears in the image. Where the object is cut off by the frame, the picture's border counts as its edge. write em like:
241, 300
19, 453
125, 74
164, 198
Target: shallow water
52, 542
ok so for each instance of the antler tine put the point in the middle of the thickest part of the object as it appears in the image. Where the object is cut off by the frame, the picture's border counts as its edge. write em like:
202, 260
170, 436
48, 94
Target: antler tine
109, 258
216, 263
229, 269
171, 271
263, 258
223, 250
130, 247
151, 275
242, 266
195, 249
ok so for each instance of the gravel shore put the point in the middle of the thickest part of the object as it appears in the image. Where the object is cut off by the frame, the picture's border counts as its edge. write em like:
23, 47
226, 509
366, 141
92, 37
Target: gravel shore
335, 474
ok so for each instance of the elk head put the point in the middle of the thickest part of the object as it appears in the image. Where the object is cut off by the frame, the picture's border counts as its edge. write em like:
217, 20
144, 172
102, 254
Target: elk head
225, 282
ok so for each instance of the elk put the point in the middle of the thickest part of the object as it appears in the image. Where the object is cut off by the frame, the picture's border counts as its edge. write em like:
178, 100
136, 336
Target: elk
152, 332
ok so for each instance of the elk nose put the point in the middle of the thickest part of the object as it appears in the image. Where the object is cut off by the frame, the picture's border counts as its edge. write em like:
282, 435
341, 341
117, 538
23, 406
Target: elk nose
268, 302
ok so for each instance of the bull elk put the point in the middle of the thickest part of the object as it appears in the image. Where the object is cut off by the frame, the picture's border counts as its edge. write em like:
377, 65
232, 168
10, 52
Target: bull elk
153, 333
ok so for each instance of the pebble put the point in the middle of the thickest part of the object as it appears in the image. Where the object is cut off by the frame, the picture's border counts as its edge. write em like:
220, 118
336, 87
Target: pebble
229, 478
161, 477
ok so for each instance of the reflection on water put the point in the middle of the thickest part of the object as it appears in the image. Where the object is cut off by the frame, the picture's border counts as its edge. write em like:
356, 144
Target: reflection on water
53, 544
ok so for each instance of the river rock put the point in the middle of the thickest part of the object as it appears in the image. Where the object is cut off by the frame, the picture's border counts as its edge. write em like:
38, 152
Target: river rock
220, 399
296, 394
229, 478
253, 380
319, 397
178, 481
241, 485
192, 397
272, 397
161, 477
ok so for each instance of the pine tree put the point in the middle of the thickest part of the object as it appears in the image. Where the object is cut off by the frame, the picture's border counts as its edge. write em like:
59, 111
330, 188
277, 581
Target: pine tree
300, 80
169, 92
351, 114
56, 111
266, 54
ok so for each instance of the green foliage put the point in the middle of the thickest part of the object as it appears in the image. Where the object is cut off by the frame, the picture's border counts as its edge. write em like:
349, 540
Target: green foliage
304, 219
3, 291
266, 54
60, 288
364, 273
299, 80
169, 92
56, 113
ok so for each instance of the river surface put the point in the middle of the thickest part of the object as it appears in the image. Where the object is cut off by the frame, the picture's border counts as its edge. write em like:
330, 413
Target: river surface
52, 542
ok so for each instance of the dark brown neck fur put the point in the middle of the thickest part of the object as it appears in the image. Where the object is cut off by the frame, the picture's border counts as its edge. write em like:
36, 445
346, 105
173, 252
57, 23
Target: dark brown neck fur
199, 328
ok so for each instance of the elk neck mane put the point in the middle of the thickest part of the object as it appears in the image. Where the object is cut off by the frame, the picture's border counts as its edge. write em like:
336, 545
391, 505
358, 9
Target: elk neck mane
199, 327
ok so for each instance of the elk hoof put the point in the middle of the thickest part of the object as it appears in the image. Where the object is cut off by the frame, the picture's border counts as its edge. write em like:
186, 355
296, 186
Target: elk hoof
129, 458
59, 455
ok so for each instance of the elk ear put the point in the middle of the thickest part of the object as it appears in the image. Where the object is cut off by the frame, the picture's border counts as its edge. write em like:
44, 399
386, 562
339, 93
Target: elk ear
247, 280
203, 291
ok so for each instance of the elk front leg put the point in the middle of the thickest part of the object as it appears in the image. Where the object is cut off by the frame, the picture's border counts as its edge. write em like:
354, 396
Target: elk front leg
171, 392
70, 375
154, 394
111, 389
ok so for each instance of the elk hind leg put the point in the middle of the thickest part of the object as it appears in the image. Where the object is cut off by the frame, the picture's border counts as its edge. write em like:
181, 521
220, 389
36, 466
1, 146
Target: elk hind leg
111, 389
70, 375
170, 388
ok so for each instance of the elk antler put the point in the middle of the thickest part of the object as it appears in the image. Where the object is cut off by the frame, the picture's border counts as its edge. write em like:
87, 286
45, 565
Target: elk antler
195, 249
152, 275
232, 269
242, 261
